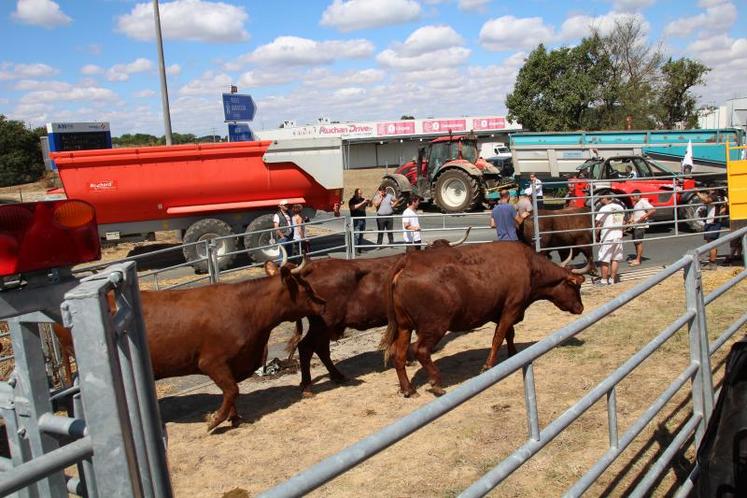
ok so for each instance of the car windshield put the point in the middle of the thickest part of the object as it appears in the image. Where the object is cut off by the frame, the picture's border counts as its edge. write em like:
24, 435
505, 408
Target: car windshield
658, 169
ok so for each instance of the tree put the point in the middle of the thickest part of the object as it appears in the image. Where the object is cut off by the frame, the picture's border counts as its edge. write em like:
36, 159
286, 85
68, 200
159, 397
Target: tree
554, 90
20, 153
676, 103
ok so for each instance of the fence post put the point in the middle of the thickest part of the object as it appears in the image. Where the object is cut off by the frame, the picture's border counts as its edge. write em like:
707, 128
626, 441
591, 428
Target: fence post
535, 215
676, 215
352, 238
702, 383
348, 241
593, 216
211, 260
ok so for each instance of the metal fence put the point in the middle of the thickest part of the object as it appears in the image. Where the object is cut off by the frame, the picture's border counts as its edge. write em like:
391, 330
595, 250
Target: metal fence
697, 373
113, 428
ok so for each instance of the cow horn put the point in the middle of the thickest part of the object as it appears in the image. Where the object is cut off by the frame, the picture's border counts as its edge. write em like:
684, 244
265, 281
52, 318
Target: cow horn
462, 240
298, 268
284, 254
584, 270
567, 260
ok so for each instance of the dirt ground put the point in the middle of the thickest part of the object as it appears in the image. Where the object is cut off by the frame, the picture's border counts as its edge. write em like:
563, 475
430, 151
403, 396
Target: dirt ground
284, 433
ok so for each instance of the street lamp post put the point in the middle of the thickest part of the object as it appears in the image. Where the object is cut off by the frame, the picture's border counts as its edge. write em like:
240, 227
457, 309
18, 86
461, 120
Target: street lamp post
162, 71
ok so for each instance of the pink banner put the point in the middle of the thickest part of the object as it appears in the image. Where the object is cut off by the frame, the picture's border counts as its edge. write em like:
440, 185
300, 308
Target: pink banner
396, 128
444, 125
489, 123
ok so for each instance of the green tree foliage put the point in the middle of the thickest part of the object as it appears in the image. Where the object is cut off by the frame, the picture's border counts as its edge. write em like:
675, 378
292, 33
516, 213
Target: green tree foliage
676, 103
555, 89
134, 140
606, 82
20, 153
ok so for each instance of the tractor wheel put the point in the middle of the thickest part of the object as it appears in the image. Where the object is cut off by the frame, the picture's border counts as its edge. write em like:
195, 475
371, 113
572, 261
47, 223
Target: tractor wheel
392, 187
691, 211
206, 229
456, 191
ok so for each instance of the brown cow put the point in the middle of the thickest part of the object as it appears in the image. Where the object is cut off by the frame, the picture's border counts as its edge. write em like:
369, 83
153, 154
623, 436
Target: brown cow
354, 291
222, 330
472, 285
573, 227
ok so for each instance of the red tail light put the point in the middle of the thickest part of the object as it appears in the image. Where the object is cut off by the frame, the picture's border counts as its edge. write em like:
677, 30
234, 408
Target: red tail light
42, 235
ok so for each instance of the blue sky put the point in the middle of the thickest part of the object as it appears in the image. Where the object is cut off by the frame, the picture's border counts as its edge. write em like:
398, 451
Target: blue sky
348, 60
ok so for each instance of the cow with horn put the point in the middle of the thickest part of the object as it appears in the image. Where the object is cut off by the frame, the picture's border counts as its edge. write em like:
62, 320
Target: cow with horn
462, 281
355, 296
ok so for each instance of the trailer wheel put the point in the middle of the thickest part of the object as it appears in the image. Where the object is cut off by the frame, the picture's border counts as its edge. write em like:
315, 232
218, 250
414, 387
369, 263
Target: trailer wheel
392, 187
456, 191
261, 239
206, 229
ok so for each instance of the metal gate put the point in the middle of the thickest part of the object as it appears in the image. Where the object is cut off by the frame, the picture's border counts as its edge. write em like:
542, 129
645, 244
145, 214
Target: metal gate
697, 374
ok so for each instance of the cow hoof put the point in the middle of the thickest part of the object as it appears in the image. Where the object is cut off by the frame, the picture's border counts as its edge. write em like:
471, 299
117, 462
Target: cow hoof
236, 421
307, 394
410, 393
437, 390
212, 422
485, 368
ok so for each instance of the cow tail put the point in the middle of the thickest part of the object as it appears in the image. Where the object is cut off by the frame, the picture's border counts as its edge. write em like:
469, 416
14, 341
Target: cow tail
290, 348
391, 329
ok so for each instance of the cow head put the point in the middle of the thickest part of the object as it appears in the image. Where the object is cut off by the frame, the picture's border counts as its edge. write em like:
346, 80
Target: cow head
566, 294
302, 294
442, 243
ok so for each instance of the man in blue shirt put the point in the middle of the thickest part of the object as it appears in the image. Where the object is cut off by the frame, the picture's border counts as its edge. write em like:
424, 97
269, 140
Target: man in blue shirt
504, 218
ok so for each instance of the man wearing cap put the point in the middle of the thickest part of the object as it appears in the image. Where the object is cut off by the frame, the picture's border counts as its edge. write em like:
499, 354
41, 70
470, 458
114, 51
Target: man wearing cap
524, 204
283, 227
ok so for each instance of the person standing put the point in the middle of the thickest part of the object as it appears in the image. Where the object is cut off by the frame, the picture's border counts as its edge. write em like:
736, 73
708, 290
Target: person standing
715, 204
283, 225
384, 202
536, 185
504, 219
357, 205
609, 220
299, 230
643, 211
524, 204
411, 223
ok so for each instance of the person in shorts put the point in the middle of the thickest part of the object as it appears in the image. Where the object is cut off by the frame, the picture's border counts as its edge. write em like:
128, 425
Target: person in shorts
643, 211
609, 221
715, 205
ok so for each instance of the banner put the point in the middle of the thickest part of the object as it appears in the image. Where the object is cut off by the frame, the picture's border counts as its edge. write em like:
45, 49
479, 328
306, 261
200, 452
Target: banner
444, 125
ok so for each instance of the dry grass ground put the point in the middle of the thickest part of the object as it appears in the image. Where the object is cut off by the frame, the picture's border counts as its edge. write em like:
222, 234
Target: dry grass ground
284, 433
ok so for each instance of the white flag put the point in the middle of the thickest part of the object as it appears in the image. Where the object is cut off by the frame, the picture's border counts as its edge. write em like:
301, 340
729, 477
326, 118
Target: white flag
687, 161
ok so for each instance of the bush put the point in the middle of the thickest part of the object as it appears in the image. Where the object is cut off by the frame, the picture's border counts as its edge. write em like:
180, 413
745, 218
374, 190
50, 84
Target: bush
20, 153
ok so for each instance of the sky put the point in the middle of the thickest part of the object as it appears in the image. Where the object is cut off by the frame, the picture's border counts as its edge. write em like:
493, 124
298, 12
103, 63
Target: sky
346, 60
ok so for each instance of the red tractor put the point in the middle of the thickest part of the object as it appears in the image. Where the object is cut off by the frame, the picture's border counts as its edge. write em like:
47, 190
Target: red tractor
450, 173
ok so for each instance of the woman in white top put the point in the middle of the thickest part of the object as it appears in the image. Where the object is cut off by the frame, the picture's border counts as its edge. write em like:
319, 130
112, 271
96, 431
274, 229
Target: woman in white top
299, 230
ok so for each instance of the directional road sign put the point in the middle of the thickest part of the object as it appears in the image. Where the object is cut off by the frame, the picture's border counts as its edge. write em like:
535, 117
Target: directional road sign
237, 107
239, 132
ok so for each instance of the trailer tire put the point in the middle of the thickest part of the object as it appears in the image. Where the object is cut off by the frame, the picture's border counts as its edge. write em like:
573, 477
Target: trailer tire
205, 229
456, 191
391, 186
252, 240
688, 214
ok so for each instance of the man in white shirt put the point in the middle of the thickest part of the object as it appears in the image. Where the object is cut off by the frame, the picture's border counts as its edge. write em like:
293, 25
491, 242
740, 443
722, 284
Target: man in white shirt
643, 211
609, 220
283, 225
411, 224
536, 185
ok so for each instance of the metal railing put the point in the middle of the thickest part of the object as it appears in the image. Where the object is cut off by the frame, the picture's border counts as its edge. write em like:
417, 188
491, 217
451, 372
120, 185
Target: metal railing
698, 372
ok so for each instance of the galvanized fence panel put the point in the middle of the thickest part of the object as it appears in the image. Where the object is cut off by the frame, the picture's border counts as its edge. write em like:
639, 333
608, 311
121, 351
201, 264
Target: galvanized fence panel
698, 372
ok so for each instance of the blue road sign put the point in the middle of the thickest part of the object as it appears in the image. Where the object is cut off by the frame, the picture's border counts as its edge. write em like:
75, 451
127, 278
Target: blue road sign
237, 107
239, 132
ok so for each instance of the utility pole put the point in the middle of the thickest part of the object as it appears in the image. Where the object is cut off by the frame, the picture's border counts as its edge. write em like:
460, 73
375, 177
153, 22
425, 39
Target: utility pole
162, 71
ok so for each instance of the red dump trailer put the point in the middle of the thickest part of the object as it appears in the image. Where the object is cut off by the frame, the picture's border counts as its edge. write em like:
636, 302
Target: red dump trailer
203, 190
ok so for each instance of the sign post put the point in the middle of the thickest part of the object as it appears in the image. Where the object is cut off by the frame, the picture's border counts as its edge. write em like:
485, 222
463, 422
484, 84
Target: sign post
238, 107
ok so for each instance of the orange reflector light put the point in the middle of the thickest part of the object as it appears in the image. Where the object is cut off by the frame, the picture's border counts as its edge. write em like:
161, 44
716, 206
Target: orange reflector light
73, 214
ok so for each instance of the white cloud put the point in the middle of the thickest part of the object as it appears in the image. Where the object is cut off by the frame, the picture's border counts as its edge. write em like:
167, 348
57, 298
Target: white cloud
145, 93
58, 86
45, 13
83, 93
210, 83
11, 71
351, 15
438, 58
174, 70
473, 5
631, 5
324, 78
296, 51
718, 17
727, 58
91, 69
254, 79
580, 26
195, 20
511, 33
428, 39
122, 72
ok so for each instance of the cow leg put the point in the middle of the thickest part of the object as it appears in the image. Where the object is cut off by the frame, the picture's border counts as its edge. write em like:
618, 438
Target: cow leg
510, 341
502, 329
423, 349
305, 351
221, 374
399, 350
322, 351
